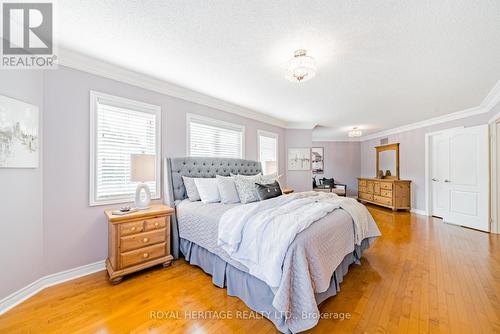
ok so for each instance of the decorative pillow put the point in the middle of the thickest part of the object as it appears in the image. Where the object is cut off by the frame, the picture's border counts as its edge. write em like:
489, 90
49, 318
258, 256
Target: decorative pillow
266, 191
208, 190
227, 189
191, 190
245, 185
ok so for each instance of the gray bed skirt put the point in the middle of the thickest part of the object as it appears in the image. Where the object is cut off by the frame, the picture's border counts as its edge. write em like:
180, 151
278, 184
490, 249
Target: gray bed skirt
255, 293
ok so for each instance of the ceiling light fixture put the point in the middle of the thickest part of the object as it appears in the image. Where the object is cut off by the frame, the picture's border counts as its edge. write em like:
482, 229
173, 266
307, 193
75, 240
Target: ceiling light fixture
301, 67
355, 133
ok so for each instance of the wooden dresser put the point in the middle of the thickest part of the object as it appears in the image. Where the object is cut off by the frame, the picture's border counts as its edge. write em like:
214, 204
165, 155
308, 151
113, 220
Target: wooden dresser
391, 193
138, 240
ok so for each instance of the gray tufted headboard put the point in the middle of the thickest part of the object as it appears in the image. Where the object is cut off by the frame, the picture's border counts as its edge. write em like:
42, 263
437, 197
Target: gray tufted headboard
176, 168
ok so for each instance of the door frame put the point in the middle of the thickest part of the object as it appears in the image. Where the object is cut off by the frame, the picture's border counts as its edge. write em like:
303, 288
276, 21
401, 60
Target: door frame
494, 189
428, 182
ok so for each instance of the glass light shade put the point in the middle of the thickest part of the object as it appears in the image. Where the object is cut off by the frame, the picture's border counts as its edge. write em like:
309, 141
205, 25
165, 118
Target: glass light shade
301, 67
354, 133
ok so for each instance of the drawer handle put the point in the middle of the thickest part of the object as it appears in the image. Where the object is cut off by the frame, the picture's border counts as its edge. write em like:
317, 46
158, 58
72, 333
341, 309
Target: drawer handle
145, 255
156, 224
133, 228
145, 240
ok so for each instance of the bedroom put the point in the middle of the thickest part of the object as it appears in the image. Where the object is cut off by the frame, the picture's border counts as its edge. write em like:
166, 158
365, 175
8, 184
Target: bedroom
122, 93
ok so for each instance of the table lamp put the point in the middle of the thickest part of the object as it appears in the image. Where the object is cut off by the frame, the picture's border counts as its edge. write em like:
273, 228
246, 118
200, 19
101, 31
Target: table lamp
143, 170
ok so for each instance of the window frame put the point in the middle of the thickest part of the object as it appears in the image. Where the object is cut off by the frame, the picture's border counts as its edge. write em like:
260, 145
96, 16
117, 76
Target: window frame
120, 102
216, 123
269, 134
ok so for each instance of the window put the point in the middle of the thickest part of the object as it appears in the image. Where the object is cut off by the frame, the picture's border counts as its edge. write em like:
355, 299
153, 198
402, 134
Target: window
118, 128
208, 137
268, 151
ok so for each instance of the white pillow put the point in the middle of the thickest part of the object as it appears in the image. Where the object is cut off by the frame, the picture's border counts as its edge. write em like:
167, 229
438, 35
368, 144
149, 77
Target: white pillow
227, 189
208, 190
247, 191
191, 190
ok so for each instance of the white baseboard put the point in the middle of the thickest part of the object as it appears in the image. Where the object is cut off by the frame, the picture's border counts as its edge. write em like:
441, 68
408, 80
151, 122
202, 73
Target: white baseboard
418, 212
26, 292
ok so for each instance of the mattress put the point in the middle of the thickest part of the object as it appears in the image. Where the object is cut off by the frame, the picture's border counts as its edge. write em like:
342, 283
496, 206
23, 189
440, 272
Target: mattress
199, 223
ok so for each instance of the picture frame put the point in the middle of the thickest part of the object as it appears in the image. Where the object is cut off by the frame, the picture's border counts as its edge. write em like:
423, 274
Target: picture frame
299, 159
19, 134
318, 160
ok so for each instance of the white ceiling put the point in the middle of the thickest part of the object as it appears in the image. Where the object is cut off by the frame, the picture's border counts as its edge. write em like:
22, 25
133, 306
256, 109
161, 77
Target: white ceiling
381, 64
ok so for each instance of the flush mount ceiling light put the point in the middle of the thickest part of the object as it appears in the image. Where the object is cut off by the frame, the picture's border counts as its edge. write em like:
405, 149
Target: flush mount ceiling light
355, 133
301, 67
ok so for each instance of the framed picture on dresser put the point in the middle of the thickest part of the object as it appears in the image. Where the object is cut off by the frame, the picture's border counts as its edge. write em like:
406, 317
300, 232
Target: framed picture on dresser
318, 160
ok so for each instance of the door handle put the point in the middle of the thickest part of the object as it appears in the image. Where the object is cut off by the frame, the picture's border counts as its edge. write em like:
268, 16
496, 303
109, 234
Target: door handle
447, 181
434, 179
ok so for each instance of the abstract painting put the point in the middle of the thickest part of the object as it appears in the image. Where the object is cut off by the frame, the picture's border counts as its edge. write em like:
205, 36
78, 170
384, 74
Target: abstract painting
299, 159
318, 160
19, 134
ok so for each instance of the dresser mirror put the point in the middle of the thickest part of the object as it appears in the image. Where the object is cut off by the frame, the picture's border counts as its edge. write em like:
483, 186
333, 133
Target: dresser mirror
388, 161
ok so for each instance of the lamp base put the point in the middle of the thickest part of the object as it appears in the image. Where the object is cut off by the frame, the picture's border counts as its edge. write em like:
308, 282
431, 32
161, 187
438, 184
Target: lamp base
142, 201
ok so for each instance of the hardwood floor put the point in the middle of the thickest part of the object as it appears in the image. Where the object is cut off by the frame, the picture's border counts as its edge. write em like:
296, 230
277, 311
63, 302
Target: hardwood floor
421, 276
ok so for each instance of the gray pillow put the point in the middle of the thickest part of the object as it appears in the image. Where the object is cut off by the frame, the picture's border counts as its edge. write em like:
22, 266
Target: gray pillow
245, 185
267, 191
191, 189
227, 189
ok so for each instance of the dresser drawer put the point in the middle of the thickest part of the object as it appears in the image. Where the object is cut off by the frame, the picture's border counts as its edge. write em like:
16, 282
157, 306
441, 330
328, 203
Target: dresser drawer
376, 188
382, 200
362, 183
155, 223
135, 241
131, 228
362, 189
142, 255
386, 193
368, 197
386, 185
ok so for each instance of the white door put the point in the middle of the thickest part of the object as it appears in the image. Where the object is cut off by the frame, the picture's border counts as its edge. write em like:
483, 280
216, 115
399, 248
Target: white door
439, 172
469, 177
460, 176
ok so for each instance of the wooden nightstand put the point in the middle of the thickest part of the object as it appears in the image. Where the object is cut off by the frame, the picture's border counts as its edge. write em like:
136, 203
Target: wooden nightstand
138, 240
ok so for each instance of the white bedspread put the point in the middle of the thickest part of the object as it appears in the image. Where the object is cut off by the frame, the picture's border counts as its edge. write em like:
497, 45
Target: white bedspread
259, 234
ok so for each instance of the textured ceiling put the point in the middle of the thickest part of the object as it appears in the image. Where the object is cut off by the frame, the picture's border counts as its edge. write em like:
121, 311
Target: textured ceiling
381, 64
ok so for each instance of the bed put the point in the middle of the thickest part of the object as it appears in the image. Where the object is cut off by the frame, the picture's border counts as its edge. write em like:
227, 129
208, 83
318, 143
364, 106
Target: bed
314, 265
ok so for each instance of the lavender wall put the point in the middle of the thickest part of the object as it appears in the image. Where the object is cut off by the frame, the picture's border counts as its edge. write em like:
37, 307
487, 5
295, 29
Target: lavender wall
21, 246
342, 162
295, 138
412, 153
74, 233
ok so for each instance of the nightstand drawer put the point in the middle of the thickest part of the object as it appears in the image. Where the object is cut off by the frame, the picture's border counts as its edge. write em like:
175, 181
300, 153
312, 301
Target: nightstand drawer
135, 241
155, 223
142, 255
131, 228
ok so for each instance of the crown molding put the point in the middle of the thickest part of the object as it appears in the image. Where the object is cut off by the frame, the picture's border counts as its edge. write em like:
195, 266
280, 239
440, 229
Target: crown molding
81, 62
428, 122
489, 102
346, 140
301, 125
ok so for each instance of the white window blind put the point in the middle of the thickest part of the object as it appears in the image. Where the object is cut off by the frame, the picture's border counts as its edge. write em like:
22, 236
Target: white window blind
268, 152
121, 128
213, 138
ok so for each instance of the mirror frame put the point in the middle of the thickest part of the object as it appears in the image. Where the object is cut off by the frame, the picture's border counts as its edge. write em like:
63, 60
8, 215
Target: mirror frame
388, 147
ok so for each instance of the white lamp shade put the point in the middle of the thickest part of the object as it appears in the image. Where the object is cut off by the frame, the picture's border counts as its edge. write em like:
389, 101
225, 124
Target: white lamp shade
143, 167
